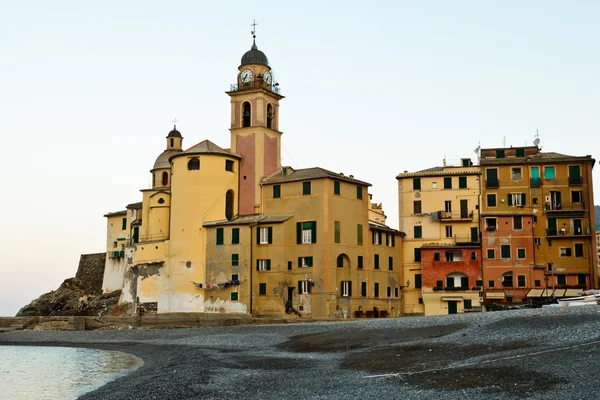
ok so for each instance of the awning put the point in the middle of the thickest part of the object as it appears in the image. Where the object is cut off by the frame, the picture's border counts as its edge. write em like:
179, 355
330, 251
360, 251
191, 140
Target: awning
452, 298
573, 292
560, 292
547, 293
494, 295
535, 293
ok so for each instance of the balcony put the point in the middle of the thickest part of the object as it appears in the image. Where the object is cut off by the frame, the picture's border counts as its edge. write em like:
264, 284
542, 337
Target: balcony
466, 215
151, 238
254, 85
554, 207
465, 239
575, 180
568, 232
536, 182
492, 183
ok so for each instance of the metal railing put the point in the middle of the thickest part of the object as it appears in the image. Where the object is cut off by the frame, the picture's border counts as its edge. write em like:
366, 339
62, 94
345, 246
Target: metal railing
238, 87
582, 231
536, 182
564, 206
492, 183
150, 238
575, 180
465, 238
455, 215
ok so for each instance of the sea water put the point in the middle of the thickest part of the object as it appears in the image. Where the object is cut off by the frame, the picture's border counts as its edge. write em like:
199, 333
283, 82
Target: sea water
34, 372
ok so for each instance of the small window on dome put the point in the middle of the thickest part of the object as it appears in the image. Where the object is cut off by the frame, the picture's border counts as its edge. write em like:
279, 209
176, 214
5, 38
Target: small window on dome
193, 164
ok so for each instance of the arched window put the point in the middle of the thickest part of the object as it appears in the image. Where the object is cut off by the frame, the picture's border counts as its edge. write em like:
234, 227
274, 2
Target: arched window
343, 261
457, 280
193, 164
507, 279
270, 116
172, 142
229, 205
165, 178
246, 114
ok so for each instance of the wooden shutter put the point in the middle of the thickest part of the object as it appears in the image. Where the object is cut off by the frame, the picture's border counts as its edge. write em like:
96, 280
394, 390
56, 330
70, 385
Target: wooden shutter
313, 229
373, 236
270, 235
299, 261
523, 199
298, 232
349, 288
268, 265
257, 235
310, 261
379, 237
308, 287
299, 287
257, 264
393, 240
510, 199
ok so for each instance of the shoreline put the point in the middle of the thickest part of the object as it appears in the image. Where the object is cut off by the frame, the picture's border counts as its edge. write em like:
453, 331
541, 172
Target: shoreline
509, 354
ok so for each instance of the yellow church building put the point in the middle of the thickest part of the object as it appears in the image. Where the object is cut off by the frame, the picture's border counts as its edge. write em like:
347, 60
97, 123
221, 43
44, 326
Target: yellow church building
231, 230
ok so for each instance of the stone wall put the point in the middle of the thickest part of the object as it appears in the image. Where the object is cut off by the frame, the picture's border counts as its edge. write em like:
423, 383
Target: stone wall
91, 271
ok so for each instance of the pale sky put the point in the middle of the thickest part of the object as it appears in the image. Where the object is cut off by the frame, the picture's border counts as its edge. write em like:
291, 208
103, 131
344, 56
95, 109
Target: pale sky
88, 91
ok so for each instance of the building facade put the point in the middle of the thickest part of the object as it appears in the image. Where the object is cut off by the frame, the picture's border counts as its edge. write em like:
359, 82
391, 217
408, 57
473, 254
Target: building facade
232, 230
537, 224
439, 212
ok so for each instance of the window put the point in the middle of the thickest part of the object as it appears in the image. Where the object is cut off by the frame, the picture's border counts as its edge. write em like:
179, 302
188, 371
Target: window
520, 153
304, 287
289, 265
234, 296
235, 260
171, 142
161, 201
346, 288
246, 115
264, 235
375, 237
306, 232
490, 224
537, 241
579, 250
439, 284
193, 164
467, 304
491, 254
304, 262
507, 279
562, 280
453, 255
576, 196
360, 262
417, 254
565, 252
448, 231
270, 116
434, 185
505, 250
340, 261
491, 284
229, 165
417, 207
234, 277
359, 235
336, 234
549, 173
306, 188
262, 289
537, 283
416, 183
263, 265
390, 263
448, 183
462, 182
521, 281
575, 175
499, 153
363, 289
418, 281
376, 261
436, 256
516, 174
235, 236
389, 292
448, 206
359, 191
165, 178
276, 191
229, 200
336, 187
124, 224
491, 200
418, 232
521, 253
389, 240
581, 280
473, 255
517, 199
396, 292
420, 300
219, 236
376, 289
517, 222
479, 283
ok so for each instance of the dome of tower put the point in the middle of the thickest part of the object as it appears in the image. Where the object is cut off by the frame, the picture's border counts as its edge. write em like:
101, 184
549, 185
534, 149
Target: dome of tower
255, 56
162, 161
174, 133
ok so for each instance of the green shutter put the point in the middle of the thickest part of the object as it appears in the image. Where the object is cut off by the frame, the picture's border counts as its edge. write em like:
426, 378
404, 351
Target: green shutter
360, 262
235, 236
313, 229
416, 183
376, 261
257, 235
393, 240
373, 236
309, 287
268, 265
262, 289
299, 233
391, 263
124, 227
359, 191
447, 183
299, 287
235, 260
520, 153
257, 263
299, 261
310, 261
510, 199
379, 235
276, 191
349, 288
306, 188
289, 265
336, 187
270, 235
523, 199
462, 182
219, 236
418, 281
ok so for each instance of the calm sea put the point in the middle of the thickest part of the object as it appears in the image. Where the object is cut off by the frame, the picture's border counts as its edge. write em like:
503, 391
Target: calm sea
33, 372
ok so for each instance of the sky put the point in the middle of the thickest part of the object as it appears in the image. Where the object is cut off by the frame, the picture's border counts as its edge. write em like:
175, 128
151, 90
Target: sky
88, 91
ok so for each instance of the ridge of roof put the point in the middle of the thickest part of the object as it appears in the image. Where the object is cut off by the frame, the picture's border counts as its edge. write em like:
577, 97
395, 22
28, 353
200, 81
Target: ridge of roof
292, 175
206, 147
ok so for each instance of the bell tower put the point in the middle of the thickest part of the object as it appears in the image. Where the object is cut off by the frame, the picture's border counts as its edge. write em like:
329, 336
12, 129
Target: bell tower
254, 127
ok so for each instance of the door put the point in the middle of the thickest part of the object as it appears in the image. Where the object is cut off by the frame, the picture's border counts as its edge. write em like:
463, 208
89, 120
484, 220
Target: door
290, 296
452, 307
555, 201
464, 209
535, 176
474, 235
552, 227
577, 227
136, 234
491, 176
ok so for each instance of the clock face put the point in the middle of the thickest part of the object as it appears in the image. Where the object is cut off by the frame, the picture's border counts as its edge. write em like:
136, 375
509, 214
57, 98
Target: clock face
246, 75
268, 77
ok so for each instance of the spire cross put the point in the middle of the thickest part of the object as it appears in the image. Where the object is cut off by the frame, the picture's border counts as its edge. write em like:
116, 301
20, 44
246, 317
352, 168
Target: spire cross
253, 25
175, 122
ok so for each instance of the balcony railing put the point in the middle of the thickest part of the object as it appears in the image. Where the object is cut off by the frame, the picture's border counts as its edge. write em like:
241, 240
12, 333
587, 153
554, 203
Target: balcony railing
492, 183
151, 238
558, 232
536, 182
466, 215
238, 87
575, 180
465, 239
562, 206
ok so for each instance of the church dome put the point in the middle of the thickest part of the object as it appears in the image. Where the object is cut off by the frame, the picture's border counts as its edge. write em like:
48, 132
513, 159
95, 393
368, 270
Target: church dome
174, 133
255, 56
162, 161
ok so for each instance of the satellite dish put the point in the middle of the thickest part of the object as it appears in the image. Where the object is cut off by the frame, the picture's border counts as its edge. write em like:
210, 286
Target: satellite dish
477, 149
536, 141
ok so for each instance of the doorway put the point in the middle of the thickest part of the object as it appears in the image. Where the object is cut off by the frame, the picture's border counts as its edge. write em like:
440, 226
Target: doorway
452, 307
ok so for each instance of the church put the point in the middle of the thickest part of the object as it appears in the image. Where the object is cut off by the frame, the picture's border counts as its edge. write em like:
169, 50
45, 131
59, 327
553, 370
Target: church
231, 230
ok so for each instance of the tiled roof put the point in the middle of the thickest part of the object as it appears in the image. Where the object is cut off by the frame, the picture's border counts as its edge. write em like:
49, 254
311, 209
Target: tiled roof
134, 206
448, 246
441, 171
538, 158
207, 147
116, 213
287, 174
162, 161
384, 228
252, 219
